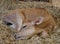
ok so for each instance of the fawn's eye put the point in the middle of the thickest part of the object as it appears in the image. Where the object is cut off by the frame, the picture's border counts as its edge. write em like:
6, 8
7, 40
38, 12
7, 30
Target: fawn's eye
9, 24
24, 26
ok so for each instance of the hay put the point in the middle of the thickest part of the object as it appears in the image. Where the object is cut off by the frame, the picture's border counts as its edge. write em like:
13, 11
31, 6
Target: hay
6, 36
6, 33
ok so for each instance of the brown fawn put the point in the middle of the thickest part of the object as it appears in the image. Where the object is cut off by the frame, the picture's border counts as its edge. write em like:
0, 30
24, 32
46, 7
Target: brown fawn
29, 22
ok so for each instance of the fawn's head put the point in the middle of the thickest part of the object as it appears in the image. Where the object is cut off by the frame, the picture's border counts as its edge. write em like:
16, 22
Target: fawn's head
28, 28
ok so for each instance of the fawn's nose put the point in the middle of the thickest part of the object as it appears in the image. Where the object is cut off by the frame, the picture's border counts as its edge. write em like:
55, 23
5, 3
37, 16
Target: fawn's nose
16, 37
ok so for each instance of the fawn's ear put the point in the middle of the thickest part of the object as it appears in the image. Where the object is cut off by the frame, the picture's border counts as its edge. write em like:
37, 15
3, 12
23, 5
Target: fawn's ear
38, 21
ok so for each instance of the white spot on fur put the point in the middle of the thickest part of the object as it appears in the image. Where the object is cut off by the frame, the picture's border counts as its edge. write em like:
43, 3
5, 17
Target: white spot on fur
19, 21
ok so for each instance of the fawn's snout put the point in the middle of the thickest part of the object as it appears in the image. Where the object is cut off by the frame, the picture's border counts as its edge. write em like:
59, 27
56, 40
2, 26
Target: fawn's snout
16, 37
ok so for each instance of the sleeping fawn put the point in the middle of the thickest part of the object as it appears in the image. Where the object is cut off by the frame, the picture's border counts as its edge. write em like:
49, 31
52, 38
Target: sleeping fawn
29, 22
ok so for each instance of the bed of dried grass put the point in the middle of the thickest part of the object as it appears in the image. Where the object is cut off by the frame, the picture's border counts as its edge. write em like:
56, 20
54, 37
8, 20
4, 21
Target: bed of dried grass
6, 33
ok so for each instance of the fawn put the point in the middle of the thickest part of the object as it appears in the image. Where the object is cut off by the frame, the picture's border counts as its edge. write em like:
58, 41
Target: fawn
29, 22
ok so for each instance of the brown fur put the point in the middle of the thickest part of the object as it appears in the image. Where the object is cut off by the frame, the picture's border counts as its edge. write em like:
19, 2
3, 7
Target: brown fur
31, 14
